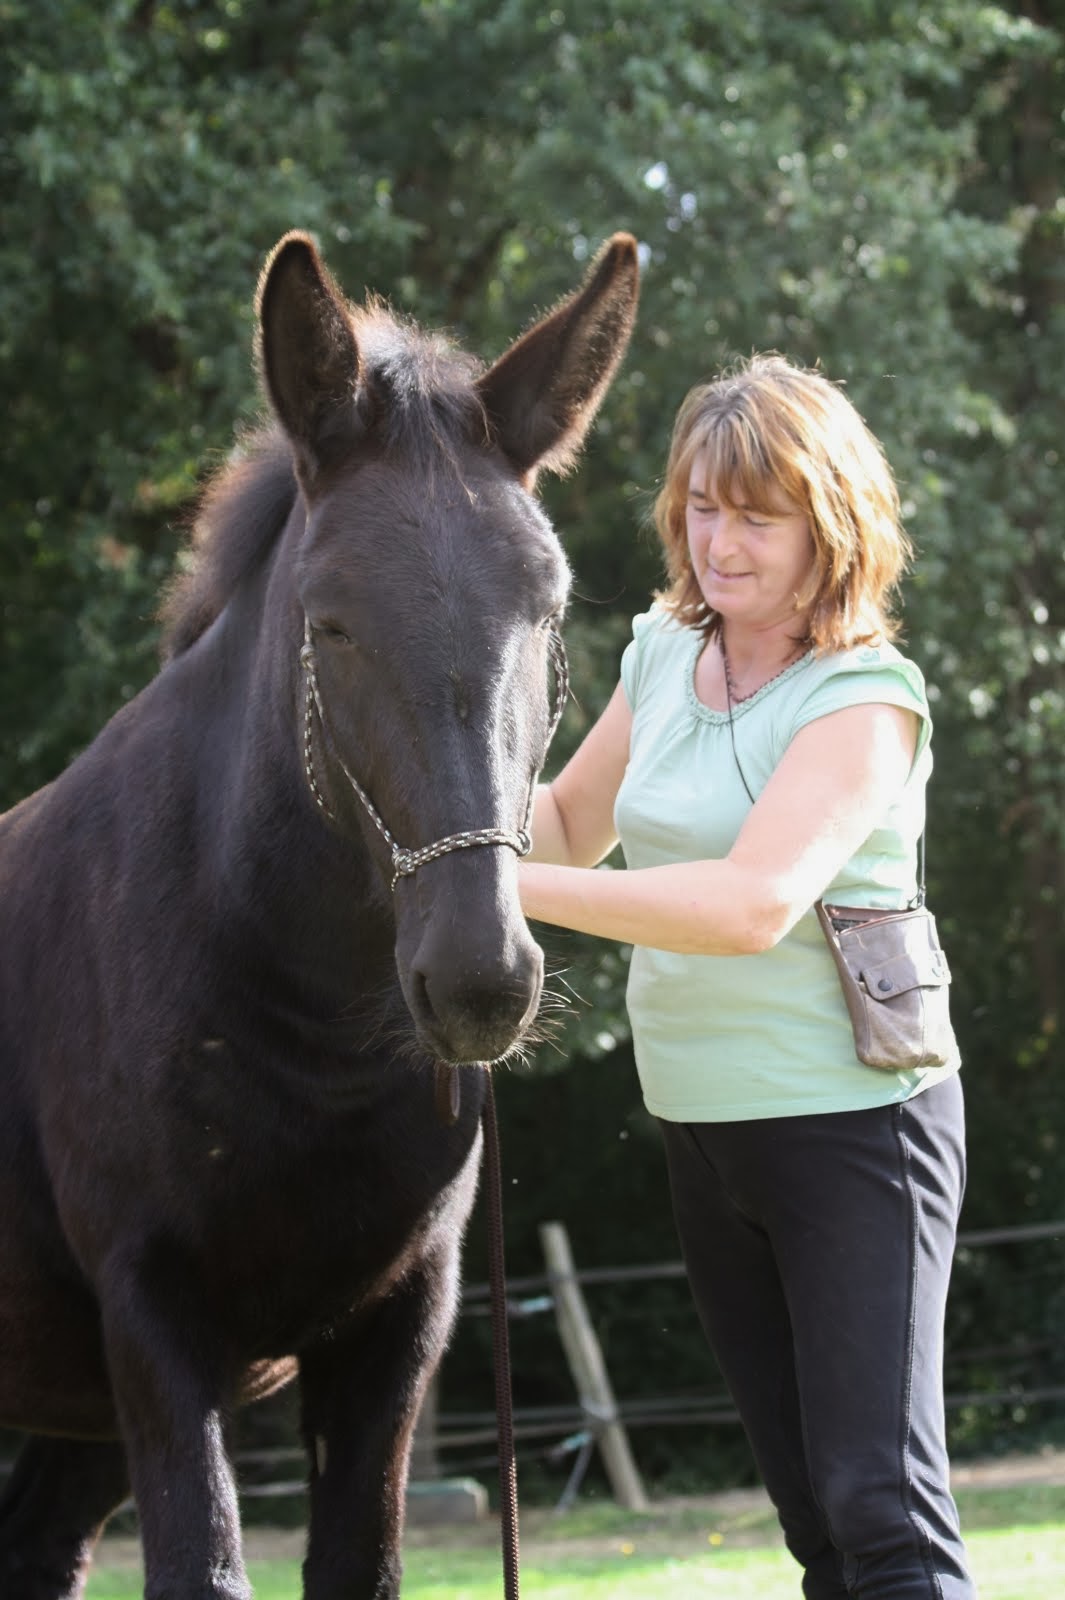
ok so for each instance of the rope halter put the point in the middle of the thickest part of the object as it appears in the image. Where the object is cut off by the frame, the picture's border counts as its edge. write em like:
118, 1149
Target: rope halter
406, 862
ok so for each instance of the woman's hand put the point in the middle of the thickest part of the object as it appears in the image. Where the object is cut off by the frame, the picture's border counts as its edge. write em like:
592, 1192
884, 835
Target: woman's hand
573, 817
831, 789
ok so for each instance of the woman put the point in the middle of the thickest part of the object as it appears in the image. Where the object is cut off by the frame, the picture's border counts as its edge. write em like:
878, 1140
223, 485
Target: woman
767, 745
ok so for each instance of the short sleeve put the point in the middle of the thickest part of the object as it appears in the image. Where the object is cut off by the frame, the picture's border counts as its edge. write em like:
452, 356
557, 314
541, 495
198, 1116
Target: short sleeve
634, 658
869, 676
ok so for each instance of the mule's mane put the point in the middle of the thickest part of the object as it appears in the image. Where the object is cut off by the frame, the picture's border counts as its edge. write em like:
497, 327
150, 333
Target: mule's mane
240, 518
424, 403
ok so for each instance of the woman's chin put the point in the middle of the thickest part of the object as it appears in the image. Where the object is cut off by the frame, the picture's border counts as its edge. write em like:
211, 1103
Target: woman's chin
724, 598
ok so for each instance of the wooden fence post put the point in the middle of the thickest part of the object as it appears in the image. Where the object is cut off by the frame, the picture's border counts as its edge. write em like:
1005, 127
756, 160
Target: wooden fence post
589, 1369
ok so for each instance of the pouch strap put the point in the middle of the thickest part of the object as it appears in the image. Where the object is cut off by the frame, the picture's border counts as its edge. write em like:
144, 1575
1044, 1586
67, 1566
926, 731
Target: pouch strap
919, 899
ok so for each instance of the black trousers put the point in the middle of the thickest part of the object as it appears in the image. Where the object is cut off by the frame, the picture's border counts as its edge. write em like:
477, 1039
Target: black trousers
819, 1250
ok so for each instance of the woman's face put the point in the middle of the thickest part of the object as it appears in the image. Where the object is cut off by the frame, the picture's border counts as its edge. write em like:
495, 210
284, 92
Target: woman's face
749, 563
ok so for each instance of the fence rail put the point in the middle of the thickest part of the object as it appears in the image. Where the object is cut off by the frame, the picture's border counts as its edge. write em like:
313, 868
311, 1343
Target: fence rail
557, 1431
540, 1282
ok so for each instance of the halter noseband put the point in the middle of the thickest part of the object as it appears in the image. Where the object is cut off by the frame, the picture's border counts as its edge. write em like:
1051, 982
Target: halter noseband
406, 862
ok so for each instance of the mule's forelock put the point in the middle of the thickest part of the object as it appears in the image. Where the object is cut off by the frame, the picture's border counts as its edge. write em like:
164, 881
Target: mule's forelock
421, 392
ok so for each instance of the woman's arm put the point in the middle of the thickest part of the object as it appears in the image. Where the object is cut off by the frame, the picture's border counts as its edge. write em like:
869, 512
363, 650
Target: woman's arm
826, 796
573, 817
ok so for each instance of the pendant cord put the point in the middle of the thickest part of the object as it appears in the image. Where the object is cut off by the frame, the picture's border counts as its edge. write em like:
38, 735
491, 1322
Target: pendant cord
731, 724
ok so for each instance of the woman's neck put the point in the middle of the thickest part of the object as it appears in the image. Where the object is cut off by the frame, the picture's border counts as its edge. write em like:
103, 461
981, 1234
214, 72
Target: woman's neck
751, 657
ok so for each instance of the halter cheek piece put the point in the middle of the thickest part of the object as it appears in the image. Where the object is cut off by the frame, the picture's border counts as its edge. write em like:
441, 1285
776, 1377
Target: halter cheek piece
406, 862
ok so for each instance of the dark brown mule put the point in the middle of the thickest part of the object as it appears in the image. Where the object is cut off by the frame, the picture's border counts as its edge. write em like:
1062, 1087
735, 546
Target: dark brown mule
220, 1161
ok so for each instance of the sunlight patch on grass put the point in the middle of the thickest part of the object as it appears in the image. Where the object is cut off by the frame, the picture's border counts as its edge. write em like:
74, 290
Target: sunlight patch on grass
772, 1574
1008, 1566
601, 1552
1024, 1563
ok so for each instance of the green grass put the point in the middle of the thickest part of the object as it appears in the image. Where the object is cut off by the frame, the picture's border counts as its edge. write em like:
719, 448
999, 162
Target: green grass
1016, 1541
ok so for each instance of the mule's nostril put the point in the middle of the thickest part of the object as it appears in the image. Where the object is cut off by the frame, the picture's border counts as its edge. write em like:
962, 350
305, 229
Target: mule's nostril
420, 1004
475, 1011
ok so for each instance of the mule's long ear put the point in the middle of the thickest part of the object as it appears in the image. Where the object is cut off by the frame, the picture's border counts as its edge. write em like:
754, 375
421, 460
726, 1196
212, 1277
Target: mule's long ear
543, 393
307, 352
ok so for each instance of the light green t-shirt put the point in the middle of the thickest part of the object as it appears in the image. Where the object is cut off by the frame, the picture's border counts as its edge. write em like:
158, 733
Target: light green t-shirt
733, 1038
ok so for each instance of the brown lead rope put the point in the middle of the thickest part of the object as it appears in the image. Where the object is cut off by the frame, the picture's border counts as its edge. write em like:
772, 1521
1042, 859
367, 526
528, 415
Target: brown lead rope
508, 1471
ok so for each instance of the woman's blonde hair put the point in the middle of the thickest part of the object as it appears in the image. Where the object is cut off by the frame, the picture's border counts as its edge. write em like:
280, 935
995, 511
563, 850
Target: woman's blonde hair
772, 431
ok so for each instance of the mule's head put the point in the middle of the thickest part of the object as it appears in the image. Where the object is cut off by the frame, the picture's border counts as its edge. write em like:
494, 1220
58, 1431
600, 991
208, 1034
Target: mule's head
430, 582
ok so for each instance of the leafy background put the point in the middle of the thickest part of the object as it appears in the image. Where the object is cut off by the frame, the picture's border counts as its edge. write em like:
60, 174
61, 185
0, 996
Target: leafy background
875, 186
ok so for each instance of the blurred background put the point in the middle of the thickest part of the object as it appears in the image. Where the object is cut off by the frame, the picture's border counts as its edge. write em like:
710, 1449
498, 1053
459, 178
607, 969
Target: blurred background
875, 185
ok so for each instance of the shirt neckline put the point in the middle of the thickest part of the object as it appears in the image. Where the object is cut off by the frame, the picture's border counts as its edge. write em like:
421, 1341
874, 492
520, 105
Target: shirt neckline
707, 713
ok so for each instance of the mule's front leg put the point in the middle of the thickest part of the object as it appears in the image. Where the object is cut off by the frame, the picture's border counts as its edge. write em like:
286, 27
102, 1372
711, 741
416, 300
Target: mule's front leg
361, 1394
52, 1510
171, 1386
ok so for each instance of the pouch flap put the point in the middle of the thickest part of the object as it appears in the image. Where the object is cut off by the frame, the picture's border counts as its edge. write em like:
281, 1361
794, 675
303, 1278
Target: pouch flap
908, 969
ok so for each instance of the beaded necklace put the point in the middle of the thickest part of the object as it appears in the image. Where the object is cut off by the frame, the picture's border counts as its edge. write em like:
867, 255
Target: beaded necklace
731, 693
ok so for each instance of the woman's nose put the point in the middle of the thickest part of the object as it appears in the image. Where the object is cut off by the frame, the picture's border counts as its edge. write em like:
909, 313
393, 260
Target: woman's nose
722, 531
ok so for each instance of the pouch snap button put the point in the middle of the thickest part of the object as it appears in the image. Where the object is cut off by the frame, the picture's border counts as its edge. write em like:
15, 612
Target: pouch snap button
884, 984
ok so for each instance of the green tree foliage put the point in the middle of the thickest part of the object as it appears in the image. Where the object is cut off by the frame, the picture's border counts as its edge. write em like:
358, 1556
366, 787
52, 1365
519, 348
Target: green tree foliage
876, 185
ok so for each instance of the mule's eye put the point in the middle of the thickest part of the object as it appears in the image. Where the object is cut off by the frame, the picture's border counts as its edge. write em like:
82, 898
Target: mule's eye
332, 633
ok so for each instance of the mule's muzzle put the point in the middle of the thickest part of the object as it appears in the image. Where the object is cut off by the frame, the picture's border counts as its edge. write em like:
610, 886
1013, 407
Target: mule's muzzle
474, 1007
